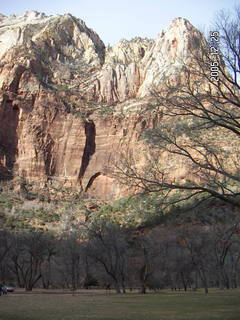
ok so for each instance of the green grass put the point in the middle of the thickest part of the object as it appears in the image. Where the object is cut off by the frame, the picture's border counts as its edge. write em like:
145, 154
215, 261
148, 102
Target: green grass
160, 306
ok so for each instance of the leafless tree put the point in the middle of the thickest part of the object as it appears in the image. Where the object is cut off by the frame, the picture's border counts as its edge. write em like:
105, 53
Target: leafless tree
48, 264
223, 239
5, 247
200, 127
108, 248
27, 256
71, 260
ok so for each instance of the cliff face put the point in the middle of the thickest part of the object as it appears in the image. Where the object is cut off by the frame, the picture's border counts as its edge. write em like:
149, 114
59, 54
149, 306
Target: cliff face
70, 108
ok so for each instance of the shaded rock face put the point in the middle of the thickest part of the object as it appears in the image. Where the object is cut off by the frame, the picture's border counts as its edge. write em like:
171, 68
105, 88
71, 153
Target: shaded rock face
9, 115
71, 108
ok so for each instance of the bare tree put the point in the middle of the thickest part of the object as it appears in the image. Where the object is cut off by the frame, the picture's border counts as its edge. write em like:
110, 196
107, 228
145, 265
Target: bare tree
48, 264
5, 247
196, 241
108, 248
200, 128
223, 238
71, 260
27, 255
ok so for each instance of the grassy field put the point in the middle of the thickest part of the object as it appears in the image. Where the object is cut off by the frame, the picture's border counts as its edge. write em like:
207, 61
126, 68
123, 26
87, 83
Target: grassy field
166, 305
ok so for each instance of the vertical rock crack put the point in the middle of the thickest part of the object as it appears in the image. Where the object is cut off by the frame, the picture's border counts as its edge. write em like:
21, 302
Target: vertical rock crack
90, 147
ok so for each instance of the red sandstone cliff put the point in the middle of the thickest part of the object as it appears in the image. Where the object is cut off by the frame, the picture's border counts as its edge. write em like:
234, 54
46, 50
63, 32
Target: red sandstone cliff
70, 107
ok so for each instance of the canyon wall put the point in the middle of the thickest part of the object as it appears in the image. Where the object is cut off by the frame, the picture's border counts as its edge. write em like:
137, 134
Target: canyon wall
70, 107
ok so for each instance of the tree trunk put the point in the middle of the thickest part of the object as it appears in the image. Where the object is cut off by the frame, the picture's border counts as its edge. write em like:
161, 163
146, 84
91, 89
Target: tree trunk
117, 287
143, 289
204, 279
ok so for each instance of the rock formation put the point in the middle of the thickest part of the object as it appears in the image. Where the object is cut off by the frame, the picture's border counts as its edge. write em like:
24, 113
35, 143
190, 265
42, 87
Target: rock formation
70, 107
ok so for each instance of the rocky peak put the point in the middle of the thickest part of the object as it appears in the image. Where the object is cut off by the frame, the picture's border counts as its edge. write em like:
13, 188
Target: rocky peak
27, 17
63, 33
169, 53
133, 68
2, 16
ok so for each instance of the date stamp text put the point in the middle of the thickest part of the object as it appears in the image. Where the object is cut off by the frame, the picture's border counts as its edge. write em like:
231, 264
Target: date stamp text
214, 52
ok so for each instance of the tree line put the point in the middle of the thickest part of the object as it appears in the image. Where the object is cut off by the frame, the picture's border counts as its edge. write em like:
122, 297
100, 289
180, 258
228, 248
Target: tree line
105, 255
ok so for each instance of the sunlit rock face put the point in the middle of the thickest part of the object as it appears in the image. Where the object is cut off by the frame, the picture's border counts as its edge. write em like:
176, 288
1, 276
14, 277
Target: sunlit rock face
168, 54
58, 37
70, 107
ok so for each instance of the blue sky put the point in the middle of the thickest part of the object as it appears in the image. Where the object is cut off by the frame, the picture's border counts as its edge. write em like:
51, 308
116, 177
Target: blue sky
114, 20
